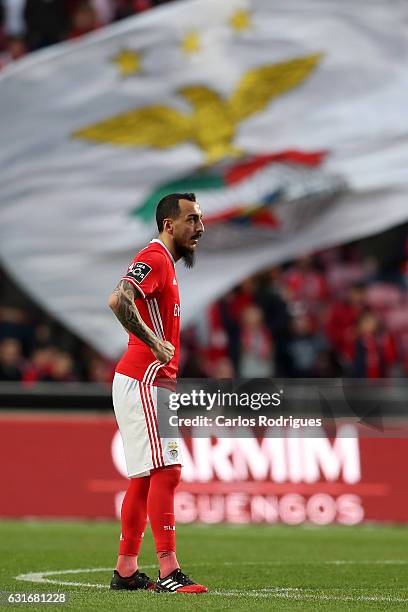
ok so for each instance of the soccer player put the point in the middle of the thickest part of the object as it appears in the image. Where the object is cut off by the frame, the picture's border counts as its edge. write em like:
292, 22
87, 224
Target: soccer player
146, 302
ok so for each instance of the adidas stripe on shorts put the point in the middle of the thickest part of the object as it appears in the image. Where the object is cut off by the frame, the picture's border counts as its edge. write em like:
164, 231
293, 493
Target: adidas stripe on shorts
135, 405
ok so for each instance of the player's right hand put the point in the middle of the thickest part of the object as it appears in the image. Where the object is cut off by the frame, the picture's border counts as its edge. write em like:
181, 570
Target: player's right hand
163, 351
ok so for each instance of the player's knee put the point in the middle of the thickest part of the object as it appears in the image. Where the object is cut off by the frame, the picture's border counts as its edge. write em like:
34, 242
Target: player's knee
176, 474
171, 474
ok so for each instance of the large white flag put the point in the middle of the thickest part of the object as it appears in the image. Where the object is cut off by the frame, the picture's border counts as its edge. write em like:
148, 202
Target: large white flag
288, 119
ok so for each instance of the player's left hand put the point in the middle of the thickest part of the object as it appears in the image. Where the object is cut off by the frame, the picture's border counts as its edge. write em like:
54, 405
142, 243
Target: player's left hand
163, 351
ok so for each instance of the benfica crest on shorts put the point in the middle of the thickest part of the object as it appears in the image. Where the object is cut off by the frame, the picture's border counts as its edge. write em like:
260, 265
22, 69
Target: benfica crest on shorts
173, 449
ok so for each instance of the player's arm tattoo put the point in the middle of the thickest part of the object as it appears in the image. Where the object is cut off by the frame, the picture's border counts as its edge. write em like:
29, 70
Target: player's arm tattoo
122, 302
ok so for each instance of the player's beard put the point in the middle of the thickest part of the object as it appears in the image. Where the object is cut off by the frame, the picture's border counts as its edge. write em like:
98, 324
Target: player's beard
186, 254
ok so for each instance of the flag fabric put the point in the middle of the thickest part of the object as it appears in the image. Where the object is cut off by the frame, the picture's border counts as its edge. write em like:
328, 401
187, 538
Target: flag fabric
287, 118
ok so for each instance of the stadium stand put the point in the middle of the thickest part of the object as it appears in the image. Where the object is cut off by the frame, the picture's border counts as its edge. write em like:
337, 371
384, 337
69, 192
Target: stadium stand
28, 25
338, 312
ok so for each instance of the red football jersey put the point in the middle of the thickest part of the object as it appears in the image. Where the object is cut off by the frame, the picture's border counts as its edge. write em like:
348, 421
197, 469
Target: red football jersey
153, 273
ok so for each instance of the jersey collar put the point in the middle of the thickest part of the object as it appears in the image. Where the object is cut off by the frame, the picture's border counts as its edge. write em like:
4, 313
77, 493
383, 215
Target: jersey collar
164, 247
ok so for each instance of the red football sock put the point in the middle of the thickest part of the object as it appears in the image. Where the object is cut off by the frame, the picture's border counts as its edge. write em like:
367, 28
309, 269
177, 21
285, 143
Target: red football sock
134, 518
160, 508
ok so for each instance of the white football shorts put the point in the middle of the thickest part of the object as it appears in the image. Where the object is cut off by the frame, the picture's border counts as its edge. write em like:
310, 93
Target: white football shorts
135, 405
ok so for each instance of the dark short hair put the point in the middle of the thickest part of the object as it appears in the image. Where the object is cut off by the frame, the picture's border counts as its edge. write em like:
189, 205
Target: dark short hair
169, 207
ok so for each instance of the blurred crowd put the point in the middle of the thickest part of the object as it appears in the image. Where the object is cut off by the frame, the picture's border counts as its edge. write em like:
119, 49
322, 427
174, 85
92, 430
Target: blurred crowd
33, 351
335, 313
34, 347
28, 25
339, 312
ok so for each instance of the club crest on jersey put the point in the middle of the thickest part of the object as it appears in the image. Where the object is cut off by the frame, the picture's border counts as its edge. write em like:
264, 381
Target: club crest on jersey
176, 310
138, 271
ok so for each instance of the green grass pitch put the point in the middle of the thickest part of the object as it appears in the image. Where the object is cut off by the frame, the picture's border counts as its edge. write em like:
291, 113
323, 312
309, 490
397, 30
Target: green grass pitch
245, 567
